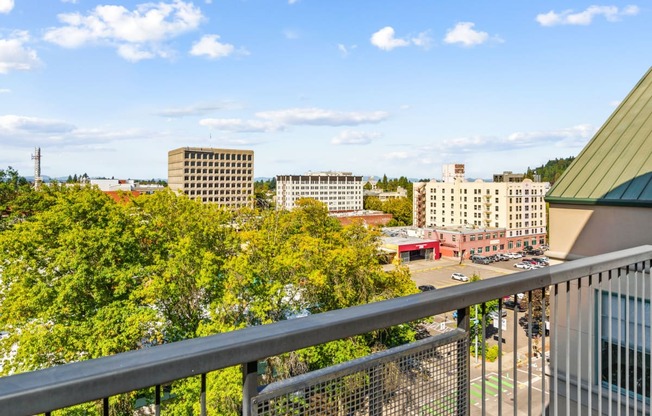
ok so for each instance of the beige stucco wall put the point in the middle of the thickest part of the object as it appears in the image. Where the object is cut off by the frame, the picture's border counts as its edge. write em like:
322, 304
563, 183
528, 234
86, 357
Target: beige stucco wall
577, 231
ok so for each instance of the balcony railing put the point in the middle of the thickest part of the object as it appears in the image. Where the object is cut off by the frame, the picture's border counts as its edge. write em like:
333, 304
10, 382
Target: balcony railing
593, 354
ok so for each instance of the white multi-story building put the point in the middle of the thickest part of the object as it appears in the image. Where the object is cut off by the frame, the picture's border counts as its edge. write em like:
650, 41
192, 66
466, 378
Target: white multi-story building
518, 207
221, 176
340, 191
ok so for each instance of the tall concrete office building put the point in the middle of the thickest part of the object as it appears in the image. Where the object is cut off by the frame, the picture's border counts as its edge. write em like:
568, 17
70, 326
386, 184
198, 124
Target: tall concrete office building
220, 176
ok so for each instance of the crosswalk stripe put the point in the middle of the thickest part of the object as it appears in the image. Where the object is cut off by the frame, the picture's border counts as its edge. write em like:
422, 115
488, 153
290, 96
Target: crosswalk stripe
505, 383
488, 389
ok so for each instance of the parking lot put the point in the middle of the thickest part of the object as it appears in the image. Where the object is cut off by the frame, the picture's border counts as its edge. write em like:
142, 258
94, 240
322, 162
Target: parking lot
438, 273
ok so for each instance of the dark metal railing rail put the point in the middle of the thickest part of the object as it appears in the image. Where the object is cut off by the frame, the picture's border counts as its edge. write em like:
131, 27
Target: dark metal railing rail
54, 388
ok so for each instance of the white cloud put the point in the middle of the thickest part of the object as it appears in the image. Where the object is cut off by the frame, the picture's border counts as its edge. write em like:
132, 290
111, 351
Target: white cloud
15, 56
15, 129
584, 18
397, 156
464, 34
5, 90
136, 34
345, 50
134, 53
196, 110
385, 40
321, 117
423, 40
210, 47
574, 137
291, 34
6, 6
293, 1
240, 126
355, 137
12, 124
70, 1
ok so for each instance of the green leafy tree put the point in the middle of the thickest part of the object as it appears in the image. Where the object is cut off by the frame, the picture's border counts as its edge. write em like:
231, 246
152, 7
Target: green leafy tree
68, 284
372, 203
551, 171
401, 210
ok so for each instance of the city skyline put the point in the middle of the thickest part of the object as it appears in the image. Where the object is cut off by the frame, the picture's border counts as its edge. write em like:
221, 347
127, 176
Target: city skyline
108, 88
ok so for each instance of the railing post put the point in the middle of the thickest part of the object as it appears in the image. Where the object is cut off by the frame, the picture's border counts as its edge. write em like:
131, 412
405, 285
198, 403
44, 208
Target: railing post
249, 385
463, 364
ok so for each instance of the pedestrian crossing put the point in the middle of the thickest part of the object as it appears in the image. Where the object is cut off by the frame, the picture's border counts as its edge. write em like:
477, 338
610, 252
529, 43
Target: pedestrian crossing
491, 385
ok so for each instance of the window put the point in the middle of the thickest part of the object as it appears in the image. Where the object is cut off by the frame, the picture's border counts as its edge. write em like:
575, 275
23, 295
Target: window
479, 249
621, 317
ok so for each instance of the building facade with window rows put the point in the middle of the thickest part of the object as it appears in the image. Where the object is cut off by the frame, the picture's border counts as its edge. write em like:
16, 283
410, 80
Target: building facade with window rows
220, 176
516, 207
340, 191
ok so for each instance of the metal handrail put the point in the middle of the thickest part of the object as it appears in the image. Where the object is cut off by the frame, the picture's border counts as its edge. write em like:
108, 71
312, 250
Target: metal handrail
70, 384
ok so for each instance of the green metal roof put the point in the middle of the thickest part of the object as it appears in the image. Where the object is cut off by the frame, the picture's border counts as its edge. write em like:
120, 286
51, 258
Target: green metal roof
615, 167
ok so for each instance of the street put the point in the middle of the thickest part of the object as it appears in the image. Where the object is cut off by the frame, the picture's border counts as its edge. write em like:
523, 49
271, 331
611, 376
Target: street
438, 273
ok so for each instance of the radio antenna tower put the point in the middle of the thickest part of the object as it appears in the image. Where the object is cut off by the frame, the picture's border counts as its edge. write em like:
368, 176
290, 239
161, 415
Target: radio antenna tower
37, 167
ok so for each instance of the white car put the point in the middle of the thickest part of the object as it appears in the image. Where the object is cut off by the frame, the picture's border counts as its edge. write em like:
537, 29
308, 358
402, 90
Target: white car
521, 265
516, 255
459, 276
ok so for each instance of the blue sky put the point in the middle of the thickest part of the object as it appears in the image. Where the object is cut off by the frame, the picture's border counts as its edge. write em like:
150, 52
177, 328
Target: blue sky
371, 87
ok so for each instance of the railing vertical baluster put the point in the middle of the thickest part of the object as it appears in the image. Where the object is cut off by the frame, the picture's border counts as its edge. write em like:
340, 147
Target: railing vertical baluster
578, 351
645, 335
591, 320
157, 400
609, 340
529, 352
568, 338
202, 397
600, 357
500, 360
483, 309
464, 366
249, 385
105, 406
619, 355
545, 318
553, 358
633, 385
627, 336
515, 369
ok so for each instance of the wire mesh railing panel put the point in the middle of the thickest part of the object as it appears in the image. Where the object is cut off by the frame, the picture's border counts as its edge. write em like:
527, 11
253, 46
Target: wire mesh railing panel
421, 378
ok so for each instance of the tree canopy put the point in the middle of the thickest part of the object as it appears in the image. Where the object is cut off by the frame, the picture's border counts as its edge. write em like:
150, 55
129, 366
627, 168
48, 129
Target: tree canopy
551, 171
83, 276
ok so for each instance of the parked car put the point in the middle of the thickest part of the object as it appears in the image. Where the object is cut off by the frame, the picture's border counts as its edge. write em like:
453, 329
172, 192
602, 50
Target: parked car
528, 260
480, 260
459, 276
427, 288
543, 261
510, 304
522, 265
502, 257
494, 314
